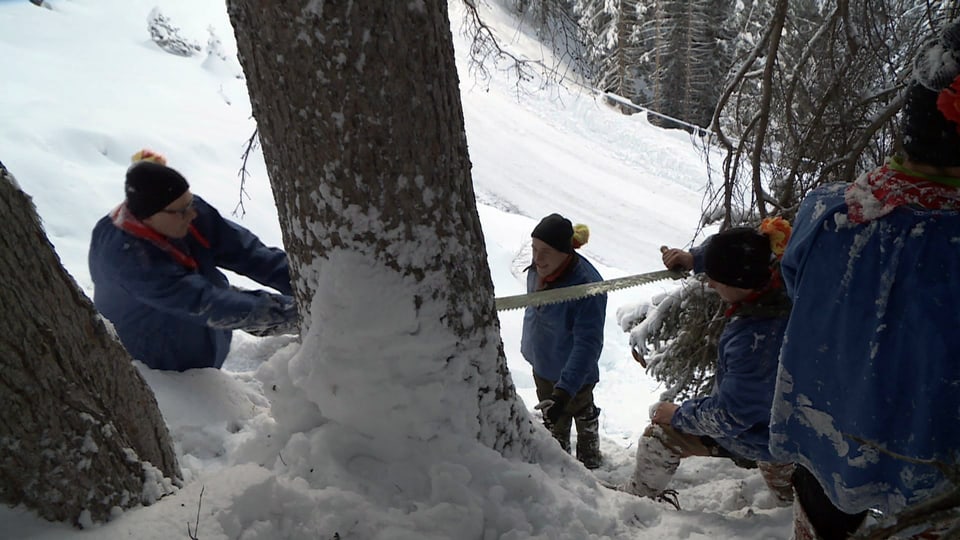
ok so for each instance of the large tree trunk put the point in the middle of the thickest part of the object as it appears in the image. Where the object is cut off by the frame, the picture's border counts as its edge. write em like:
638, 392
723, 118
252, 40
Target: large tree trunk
80, 430
360, 119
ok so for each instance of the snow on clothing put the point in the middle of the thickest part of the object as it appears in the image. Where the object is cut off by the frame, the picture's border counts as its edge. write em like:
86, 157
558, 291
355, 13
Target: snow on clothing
661, 448
872, 344
737, 411
877, 193
563, 341
171, 314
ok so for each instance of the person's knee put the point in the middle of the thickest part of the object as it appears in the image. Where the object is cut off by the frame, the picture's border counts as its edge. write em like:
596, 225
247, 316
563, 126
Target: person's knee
587, 414
665, 435
653, 430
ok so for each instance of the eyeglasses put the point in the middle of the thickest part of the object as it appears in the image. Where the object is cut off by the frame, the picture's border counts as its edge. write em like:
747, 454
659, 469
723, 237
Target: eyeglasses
182, 212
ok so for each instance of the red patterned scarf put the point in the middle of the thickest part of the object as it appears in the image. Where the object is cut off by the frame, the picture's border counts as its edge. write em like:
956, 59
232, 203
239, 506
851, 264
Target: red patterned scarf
771, 300
878, 192
124, 220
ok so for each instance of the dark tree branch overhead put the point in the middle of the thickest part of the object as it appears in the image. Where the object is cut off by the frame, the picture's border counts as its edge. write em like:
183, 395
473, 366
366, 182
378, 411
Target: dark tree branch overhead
558, 31
821, 117
766, 99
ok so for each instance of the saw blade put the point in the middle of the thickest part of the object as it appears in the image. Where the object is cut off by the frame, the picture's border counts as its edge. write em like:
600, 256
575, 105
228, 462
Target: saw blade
576, 292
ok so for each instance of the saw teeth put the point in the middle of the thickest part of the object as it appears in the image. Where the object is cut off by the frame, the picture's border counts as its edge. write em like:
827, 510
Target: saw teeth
576, 292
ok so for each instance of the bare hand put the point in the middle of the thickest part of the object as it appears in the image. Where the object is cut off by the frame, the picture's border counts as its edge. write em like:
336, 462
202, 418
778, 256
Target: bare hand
676, 259
662, 412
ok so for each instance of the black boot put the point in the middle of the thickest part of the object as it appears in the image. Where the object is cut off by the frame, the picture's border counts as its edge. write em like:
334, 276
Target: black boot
588, 437
560, 431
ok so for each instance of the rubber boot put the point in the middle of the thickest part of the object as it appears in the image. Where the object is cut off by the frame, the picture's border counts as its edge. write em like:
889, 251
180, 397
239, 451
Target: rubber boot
588, 437
560, 431
656, 463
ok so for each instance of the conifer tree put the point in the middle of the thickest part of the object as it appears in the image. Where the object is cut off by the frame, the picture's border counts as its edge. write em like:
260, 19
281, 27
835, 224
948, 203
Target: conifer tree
674, 337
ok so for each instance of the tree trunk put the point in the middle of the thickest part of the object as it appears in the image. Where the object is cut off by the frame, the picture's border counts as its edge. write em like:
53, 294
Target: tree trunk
80, 430
361, 123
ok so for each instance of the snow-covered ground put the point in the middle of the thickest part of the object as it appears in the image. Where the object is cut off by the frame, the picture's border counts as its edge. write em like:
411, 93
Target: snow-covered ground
84, 88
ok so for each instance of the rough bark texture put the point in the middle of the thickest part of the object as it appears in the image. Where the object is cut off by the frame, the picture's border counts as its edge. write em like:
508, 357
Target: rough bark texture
79, 427
361, 123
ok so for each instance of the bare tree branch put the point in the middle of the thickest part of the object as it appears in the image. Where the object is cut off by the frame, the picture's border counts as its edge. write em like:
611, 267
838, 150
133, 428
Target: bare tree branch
251, 145
779, 16
486, 50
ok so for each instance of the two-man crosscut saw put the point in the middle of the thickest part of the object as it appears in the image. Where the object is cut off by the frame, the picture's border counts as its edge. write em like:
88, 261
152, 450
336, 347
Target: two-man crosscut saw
576, 292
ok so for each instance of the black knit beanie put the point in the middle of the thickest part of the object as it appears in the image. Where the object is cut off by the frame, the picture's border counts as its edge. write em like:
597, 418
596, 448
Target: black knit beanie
150, 187
928, 137
556, 231
738, 257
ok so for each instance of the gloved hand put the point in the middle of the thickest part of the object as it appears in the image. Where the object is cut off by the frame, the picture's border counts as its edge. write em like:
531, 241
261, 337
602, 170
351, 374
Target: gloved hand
276, 315
284, 311
553, 407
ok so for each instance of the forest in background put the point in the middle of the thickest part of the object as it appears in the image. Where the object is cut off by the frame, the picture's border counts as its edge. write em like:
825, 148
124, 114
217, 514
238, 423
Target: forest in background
796, 93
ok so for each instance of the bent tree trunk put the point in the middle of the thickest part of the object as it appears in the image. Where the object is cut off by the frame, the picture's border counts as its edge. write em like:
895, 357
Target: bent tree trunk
80, 430
359, 113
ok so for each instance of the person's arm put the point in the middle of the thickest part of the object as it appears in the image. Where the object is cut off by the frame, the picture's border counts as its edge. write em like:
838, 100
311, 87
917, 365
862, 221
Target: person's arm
742, 398
587, 343
239, 250
175, 290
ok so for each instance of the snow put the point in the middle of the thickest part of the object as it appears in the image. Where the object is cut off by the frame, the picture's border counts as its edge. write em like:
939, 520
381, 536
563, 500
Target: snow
87, 88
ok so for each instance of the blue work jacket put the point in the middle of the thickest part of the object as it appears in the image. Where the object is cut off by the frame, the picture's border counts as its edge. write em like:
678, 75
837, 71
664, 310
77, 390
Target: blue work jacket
870, 358
563, 341
170, 316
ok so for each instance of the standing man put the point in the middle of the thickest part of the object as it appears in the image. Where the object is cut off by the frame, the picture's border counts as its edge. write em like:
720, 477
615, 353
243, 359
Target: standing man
868, 393
731, 422
154, 262
563, 341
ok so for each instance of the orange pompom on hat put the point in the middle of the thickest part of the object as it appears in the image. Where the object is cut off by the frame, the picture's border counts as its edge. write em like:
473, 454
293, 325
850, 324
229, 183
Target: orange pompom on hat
778, 230
560, 234
581, 235
148, 155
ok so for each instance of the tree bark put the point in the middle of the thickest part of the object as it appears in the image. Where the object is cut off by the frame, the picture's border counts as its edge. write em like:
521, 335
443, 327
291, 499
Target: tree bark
361, 123
80, 431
